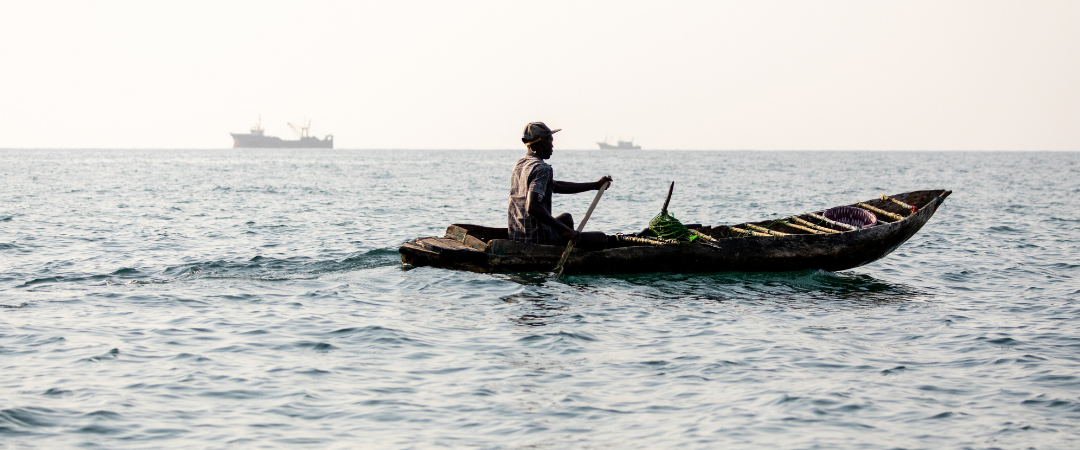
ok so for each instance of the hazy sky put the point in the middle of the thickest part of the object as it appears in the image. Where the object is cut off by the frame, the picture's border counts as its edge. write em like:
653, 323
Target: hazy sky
926, 75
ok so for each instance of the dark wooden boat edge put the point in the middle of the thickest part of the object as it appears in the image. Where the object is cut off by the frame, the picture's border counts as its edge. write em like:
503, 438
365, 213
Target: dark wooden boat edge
485, 249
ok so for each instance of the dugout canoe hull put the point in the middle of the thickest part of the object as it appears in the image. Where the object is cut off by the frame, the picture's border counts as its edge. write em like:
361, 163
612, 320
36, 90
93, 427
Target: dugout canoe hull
482, 249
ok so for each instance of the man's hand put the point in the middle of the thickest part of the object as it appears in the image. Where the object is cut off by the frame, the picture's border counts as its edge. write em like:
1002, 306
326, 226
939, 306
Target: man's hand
566, 187
572, 234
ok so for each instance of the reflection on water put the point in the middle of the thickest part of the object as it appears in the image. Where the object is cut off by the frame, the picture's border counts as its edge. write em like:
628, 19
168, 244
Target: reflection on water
538, 309
527, 278
545, 301
802, 289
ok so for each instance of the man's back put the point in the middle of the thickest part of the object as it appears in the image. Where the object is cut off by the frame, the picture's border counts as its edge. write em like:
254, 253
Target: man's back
531, 174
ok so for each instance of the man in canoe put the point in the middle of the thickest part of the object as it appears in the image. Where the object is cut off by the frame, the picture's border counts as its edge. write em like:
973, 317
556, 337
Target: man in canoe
531, 186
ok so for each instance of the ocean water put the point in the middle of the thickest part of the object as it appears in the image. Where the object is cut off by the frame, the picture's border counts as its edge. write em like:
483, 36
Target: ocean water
255, 299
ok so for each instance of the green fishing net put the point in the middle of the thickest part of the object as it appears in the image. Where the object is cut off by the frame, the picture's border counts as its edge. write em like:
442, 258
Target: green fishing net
665, 225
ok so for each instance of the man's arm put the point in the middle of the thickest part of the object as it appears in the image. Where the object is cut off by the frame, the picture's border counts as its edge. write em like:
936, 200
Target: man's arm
537, 211
566, 187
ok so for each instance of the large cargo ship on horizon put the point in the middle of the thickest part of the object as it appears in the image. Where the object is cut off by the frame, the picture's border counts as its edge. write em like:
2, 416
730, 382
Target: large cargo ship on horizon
257, 138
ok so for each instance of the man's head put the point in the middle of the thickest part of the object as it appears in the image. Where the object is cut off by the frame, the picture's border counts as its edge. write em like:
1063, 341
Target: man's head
540, 139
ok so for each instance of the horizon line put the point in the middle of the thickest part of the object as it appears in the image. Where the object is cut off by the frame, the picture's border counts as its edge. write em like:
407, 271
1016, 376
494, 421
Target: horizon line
559, 149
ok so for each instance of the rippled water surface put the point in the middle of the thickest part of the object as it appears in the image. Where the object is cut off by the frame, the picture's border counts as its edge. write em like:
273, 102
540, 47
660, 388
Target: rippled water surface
255, 298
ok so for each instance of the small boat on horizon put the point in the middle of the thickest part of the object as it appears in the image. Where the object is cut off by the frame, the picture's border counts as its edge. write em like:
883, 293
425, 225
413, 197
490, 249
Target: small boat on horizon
619, 145
835, 239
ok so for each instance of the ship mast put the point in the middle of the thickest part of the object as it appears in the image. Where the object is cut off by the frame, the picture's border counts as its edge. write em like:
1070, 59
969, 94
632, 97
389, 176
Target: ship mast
257, 130
302, 132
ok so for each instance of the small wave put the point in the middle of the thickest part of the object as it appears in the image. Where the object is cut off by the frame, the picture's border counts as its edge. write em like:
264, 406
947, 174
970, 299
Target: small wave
102, 414
962, 276
100, 429
1062, 265
235, 394
561, 342
56, 392
785, 398
321, 347
578, 336
122, 273
380, 257
191, 357
257, 267
376, 334
1005, 341
894, 371
265, 268
1061, 405
944, 415
111, 354
37, 281
27, 417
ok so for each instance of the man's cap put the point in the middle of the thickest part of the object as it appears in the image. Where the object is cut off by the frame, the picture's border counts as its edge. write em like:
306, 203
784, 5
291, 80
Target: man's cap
536, 131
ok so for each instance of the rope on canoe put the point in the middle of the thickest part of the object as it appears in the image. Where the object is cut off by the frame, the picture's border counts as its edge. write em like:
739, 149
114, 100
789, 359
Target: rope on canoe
703, 236
766, 230
748, 232
898, 202
895, 217
644, 240
816, 226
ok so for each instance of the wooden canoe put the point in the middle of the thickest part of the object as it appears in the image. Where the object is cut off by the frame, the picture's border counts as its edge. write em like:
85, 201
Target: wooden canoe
793, 243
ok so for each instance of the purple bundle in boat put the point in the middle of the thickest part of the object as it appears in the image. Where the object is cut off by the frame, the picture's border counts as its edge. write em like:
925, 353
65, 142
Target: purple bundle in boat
856, 217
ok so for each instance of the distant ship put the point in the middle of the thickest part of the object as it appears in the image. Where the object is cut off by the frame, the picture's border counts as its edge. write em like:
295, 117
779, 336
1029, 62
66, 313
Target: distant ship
620, 145
258, 139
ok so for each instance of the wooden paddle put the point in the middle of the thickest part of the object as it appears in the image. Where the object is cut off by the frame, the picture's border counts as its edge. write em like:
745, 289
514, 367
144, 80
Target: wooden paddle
668, 200
581, 226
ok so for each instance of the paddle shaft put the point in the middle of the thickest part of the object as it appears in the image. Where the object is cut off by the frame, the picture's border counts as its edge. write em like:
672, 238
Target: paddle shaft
581, 226
668, 199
